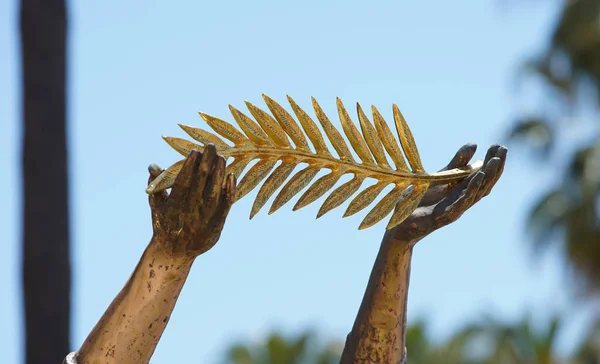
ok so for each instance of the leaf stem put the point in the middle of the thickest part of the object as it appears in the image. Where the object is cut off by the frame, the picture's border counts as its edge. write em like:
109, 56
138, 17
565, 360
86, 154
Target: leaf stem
352, 166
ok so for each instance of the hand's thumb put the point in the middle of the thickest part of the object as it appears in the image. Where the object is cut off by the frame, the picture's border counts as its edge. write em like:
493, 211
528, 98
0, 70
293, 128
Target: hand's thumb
462, 156
158, 197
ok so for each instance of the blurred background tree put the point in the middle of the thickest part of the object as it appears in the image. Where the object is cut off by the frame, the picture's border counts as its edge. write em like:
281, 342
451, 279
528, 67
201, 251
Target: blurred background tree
489, 342
303, 348
568, 76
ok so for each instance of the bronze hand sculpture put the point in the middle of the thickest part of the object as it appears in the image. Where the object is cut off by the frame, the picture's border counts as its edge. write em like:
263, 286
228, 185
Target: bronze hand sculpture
378, 334
131, 327
186, 223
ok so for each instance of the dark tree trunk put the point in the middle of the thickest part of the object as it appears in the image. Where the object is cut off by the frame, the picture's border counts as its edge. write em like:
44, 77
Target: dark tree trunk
46, 261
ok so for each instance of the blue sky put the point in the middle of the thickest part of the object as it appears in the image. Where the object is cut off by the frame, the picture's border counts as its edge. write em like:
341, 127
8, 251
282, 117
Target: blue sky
138, 68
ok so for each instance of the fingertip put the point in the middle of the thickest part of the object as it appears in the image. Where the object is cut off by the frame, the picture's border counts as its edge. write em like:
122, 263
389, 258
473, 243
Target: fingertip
185, 176
210, 152
195, 154
191, 161
154, 170
501, 152
470, 146
210, 149
492, 150
466, 152
462, 156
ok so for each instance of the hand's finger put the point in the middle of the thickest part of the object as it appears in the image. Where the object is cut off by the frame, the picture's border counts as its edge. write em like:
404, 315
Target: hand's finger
501, 153
460, 159
182, 183
154, 171
230, 191
158, 198
468, 198
452, 206
214, 184
491, 170
196, 196
227, 199
462, 156
457, 189
491, 153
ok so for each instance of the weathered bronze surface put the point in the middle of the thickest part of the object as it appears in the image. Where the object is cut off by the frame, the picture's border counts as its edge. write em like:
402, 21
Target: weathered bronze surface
186, 223
378, 334
130, 329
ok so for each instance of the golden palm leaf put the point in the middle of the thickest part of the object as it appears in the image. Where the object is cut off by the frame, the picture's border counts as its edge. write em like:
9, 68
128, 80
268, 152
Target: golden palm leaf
268, 138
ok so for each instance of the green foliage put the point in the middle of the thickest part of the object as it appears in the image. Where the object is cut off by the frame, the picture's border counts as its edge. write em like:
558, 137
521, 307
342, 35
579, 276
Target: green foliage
458, 349
521, 342
304, 348
570, 71
488, 342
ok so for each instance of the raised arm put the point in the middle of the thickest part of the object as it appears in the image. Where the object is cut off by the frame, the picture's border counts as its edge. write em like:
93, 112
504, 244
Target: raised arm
378, 334
186, 223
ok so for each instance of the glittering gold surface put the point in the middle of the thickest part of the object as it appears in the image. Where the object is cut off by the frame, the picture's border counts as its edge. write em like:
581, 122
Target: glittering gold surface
278, 137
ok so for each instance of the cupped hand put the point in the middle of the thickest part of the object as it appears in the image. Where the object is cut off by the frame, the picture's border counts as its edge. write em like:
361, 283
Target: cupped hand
190, 219
444, 204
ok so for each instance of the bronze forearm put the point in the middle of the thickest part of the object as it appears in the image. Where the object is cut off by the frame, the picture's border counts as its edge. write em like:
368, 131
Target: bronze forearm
131, 327
378, 332
186, 223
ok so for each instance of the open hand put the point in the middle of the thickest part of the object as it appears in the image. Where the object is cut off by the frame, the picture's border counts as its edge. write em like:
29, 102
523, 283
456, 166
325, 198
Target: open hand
444, 204
189, 220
